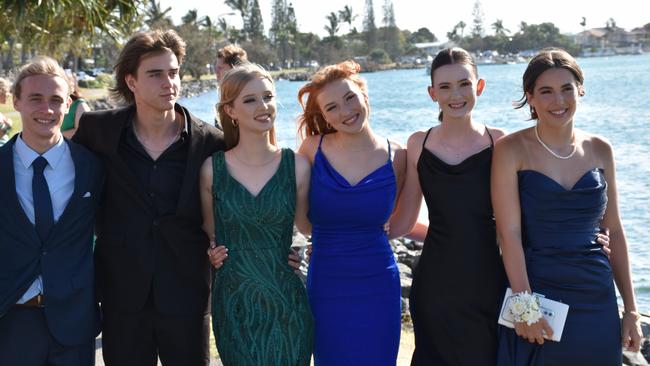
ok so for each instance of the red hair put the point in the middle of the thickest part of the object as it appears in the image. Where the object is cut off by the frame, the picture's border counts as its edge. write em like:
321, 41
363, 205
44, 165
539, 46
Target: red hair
311, 121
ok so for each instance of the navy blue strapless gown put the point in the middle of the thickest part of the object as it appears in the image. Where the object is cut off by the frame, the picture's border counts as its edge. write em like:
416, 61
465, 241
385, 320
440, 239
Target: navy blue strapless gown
565, 263
353, 281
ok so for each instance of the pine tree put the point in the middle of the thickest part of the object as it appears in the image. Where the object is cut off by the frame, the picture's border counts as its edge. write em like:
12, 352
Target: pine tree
477, 28
369, 26
255, 23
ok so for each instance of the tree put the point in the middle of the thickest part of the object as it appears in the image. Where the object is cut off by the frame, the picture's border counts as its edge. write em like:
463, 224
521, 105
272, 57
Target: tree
369, 27
422, 35
333, 27
191, 17
58, 28
461, 25
499, 29
255, 23
347, 16
242, 6
611, 24
477, 21
155, 17
393, 38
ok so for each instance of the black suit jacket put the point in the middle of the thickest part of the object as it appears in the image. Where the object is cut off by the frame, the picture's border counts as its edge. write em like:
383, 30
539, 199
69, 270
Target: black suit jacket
64, 259
174, 266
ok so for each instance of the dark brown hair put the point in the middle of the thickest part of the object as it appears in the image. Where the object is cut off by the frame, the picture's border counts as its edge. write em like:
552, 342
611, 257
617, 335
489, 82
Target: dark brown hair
311, 121
451, 56
138, 47
232, 54
546, 59
231, 86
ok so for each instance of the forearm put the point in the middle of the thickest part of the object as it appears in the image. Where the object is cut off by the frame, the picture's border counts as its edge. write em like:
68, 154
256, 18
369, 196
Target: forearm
620, 262
514, 262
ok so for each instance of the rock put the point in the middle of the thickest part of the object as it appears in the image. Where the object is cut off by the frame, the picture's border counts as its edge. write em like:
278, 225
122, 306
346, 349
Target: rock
405, 279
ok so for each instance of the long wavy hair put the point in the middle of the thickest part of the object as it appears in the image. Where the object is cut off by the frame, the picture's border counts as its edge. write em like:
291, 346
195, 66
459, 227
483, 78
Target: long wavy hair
311, 121
231, 86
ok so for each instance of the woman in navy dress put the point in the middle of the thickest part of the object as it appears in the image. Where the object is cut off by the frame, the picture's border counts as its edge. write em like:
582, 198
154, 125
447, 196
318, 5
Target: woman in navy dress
553, 186
353, 282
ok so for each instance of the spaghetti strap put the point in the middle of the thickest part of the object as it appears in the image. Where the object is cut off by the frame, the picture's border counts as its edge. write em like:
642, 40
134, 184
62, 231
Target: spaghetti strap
489, 134
389, 152
320, 141
427, 136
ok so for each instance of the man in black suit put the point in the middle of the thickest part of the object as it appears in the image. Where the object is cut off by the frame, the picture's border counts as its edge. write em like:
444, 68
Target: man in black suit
153, 274
49, 189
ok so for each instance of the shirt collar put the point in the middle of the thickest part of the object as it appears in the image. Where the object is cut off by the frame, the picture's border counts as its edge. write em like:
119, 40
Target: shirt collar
27, 156
177, 108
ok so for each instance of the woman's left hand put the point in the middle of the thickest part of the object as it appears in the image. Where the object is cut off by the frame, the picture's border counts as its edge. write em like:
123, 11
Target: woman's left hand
603, 239
631, 333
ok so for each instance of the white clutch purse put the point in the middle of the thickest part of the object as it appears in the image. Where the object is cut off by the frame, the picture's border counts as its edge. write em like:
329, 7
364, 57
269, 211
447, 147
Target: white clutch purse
554, 312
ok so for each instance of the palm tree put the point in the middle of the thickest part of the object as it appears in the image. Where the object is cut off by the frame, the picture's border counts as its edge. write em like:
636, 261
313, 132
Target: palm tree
462, 26
192, 17
333, 26
347, 16
499, 29
156, 16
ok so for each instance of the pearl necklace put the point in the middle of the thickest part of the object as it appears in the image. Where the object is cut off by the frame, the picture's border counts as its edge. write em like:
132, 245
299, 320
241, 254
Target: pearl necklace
551, 151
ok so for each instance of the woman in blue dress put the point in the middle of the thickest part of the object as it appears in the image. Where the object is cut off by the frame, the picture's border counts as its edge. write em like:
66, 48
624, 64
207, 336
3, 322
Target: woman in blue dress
553, 186
353, 282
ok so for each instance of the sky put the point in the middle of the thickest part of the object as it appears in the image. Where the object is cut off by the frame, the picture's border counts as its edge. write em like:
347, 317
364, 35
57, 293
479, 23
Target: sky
441, 16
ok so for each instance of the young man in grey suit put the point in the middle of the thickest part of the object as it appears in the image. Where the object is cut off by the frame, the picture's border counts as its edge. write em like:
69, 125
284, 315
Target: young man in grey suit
49, 187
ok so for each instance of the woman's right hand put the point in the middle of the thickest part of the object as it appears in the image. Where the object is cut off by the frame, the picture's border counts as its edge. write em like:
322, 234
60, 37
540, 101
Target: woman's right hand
535, 332
217, 254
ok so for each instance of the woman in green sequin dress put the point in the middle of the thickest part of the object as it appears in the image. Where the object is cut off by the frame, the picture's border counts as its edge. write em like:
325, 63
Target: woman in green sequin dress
251, 195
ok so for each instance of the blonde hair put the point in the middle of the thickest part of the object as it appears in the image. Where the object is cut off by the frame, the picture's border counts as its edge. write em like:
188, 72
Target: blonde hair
41, 65
311, 121
231, 86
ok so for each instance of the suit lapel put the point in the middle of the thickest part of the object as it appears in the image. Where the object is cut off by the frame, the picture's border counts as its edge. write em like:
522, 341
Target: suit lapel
82, 184
193, 163
8, 186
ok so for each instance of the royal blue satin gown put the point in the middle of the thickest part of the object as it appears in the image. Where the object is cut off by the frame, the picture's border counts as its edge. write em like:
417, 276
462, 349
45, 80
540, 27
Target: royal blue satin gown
353, 281
565, 263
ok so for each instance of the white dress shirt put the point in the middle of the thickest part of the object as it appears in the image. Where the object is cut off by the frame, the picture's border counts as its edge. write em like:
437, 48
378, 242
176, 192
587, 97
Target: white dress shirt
59, 174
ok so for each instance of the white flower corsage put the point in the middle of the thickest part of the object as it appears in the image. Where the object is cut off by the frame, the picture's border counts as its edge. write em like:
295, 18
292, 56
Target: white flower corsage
524, 308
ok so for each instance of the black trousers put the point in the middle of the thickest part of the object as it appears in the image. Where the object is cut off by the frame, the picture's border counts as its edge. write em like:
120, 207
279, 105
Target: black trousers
140, 338
25, 340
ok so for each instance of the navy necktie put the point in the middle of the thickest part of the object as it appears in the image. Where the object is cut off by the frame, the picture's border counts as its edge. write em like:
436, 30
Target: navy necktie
43, 213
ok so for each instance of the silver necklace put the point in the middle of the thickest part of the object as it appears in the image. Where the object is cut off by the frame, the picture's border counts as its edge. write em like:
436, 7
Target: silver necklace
148, 148
551, 151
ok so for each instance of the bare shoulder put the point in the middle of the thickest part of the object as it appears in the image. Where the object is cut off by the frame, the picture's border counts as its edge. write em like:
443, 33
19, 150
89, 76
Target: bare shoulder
308, 147
599, 145
302, 163
511, 147
416, 139
496, 133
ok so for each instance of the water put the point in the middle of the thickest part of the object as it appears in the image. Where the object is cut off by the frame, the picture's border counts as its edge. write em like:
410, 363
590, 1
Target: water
615, 106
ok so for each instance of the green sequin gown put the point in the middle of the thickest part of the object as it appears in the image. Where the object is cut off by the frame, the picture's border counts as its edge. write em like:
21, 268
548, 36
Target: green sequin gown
260, 310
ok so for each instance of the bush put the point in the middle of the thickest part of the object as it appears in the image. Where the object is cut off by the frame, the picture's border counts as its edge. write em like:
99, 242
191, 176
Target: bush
379, 56
90, 84
105, 79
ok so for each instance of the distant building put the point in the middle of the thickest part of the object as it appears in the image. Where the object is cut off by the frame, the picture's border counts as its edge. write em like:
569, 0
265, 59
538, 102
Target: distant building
432, 48
607, 41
